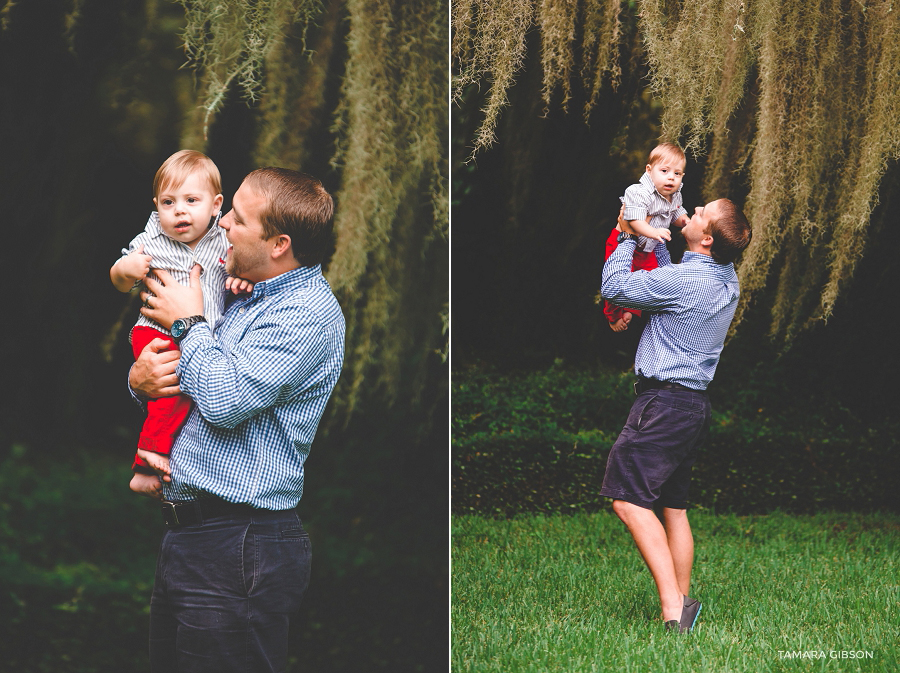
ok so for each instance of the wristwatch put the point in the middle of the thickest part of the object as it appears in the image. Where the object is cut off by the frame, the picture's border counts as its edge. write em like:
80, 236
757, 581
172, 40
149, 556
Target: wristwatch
624, 236
181, 326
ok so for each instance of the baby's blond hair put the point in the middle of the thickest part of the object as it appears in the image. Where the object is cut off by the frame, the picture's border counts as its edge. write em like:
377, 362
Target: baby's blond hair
176, 168
664, 152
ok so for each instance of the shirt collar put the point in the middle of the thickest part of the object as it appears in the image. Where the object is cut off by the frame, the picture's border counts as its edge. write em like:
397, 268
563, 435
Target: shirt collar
155, 230
647, 181
700, 258
289, 280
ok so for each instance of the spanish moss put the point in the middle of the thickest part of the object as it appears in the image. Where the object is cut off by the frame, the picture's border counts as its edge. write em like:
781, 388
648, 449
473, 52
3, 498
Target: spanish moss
791, 104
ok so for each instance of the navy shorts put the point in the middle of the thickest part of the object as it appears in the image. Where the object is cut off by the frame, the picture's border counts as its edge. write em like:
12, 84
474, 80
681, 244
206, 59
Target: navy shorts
650, 463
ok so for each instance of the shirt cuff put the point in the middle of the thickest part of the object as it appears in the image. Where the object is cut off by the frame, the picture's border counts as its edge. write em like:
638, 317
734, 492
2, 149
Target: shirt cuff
140, 400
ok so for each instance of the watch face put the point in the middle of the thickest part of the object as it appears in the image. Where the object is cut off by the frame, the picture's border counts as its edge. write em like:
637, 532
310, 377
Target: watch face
178, 328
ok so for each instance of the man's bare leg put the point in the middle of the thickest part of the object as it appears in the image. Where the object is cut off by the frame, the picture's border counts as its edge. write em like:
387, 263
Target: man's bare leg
652, 542
681, 546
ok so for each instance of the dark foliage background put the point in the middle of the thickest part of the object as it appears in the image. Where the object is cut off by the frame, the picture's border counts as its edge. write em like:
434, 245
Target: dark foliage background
538, 442
92, 100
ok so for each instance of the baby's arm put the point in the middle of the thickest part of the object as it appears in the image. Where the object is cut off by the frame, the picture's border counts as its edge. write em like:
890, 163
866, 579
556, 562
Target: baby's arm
130, 269
636, 204
643, 228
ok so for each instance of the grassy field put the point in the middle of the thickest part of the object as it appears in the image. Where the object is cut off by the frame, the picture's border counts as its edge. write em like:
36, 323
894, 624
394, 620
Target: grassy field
779, 592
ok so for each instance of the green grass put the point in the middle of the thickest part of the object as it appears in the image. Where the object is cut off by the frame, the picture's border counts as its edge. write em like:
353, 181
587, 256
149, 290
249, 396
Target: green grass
571, 593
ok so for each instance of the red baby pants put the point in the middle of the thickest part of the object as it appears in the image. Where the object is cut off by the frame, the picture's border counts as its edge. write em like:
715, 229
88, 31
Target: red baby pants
642, 261
165, 415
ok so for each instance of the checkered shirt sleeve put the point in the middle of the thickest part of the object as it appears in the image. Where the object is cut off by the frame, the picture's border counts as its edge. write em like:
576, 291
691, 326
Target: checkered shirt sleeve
260, 383
692, 306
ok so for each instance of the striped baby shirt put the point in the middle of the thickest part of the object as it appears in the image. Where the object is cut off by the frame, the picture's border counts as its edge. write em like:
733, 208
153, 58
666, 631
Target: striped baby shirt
643, 199
177, 258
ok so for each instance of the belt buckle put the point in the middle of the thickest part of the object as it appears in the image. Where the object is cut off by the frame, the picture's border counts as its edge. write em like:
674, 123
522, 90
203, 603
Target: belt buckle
170, 515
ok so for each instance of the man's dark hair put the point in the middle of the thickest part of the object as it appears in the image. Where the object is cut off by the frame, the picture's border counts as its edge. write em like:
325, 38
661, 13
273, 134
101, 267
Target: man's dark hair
296, 205
731, 233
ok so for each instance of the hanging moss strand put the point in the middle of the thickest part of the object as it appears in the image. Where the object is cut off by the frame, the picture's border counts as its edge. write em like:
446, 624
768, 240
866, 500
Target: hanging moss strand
796, 104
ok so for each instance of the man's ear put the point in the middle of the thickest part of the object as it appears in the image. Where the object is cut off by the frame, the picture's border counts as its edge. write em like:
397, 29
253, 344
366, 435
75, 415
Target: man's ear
282, 246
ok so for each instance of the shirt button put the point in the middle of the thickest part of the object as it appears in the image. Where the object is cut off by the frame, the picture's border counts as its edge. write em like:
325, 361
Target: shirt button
241, 309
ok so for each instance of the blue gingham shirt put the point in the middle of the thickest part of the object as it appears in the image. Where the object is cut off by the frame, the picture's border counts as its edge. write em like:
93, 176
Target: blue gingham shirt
259, 383
643, 199
178, 259
692, 304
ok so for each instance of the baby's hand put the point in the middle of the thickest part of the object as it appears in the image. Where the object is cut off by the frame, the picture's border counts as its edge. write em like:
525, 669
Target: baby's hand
136, 265
681, 221
662, 235
238, 285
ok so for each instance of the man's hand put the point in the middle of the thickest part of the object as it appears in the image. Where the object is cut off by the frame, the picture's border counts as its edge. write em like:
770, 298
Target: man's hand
153, 373
171, 301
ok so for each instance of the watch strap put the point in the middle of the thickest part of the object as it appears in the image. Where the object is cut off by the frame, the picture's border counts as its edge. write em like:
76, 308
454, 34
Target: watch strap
188, 323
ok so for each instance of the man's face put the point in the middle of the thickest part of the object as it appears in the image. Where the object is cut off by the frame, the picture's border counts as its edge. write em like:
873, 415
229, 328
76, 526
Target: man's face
248, 257
695, 230
185, 210
666, 176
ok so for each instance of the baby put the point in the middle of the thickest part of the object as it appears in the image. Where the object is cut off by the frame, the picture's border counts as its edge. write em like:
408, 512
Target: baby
183, 231
651, 206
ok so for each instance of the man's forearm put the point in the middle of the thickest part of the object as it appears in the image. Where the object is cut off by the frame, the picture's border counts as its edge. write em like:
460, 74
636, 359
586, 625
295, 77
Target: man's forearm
617, 268
267, 367
657, 290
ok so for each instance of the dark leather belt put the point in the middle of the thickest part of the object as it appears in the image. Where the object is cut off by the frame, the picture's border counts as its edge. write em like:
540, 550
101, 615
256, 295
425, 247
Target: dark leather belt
643, 384
192, 512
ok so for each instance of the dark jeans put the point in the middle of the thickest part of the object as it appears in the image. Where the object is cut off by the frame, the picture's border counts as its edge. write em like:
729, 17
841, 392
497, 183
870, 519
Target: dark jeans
224, 592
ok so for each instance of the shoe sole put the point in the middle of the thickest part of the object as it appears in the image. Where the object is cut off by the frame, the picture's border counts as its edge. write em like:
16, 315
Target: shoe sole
691, 628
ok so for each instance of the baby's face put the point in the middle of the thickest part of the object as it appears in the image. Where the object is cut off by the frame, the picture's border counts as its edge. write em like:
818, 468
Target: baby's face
185, 210
666, 176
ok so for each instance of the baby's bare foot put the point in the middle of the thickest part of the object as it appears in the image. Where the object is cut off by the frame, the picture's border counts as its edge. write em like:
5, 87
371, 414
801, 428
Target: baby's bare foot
146, 484
158, 462
621, 324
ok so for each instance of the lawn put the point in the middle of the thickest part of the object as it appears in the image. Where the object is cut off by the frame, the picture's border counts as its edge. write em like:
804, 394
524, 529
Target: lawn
780, 592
